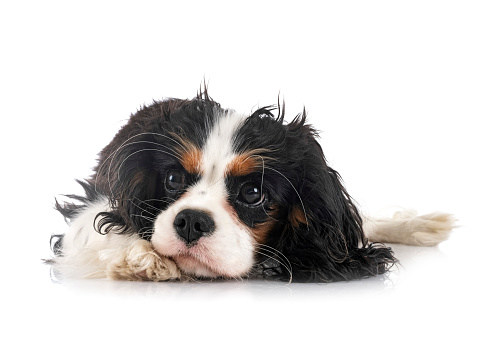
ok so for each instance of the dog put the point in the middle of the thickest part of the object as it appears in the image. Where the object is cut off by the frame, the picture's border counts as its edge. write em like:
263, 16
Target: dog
190, 190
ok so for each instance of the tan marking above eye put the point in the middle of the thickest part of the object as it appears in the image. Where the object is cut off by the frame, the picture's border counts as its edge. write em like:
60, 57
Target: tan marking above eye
243, 165
247, 162
191, 158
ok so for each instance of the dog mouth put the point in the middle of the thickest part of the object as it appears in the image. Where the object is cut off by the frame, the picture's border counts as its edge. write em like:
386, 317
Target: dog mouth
195, 266
194, 260
227, 254
197, 261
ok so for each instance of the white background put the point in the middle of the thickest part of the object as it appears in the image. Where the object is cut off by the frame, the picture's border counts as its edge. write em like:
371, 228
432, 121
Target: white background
407, 96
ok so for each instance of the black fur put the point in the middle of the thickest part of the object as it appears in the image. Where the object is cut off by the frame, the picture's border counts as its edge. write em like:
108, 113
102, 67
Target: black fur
132, 181
324, 244
326, 247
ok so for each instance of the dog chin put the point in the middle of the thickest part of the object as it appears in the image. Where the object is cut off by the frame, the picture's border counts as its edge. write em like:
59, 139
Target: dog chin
194, 267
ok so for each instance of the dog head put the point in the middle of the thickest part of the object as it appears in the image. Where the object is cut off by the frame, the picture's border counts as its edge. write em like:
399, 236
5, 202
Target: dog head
228, 195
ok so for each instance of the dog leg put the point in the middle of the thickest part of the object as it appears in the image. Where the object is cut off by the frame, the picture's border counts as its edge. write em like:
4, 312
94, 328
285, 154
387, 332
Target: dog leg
85, 253
406, 227
139, 261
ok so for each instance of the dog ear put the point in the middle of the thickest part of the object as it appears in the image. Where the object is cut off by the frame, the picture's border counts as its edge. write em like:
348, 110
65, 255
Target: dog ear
323, 238
126, 174
132, 186
132, 168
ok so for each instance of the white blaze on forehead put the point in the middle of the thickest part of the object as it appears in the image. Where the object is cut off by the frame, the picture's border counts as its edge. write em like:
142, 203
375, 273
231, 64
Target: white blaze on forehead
218, 149
229, 250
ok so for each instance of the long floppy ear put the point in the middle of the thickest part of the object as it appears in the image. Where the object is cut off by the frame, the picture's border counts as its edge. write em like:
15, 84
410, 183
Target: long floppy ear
127, 174
323, 239
132, 185
131, 169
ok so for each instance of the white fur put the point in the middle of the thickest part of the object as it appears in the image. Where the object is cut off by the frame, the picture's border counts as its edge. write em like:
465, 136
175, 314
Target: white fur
406, 227
229, 250
89, 254
218, 148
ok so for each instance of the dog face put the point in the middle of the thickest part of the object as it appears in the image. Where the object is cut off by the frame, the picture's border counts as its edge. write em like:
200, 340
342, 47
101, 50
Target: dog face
204, 229
227, 195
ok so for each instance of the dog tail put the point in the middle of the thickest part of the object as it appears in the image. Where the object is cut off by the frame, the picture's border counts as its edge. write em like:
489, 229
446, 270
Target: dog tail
408, 228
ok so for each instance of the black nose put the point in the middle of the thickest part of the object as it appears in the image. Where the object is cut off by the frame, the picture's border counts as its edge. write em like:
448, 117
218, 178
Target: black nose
190, 225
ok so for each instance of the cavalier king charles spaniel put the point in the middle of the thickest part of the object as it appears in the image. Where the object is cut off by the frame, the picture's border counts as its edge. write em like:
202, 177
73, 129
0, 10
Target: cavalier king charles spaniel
190, 190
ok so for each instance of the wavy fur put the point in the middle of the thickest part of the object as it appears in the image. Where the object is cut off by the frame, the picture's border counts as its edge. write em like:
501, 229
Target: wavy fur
306, 229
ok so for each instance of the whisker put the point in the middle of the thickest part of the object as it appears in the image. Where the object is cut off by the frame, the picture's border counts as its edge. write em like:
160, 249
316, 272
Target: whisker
280, 262
145, 231
276, 251
150, 142
142, 209
157, 144
148, 200
162, 201
274, 254
150, 205
262, 184
144, 217
169, 198
142, 150
297, 193
123, 144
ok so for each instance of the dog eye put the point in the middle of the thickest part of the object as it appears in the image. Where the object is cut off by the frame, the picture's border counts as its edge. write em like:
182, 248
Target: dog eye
250, 193
176, 180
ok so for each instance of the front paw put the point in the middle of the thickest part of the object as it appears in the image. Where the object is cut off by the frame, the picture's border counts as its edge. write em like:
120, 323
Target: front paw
141, 262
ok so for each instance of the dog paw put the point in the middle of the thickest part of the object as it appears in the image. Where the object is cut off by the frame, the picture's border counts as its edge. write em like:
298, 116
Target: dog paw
141, 262
406, 227
431, 229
